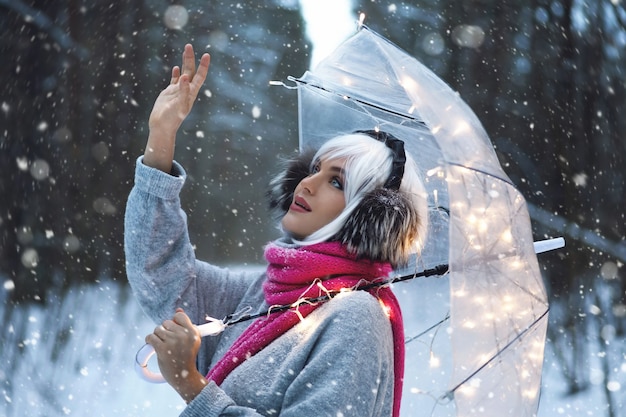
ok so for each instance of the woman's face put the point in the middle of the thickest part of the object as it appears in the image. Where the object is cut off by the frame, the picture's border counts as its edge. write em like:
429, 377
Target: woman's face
317, 200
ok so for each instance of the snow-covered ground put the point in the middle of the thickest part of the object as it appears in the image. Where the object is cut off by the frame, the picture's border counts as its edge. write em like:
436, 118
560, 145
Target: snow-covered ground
76, 358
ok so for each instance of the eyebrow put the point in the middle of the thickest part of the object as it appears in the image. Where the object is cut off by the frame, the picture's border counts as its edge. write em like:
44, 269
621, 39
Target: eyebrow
333, 168
338, 169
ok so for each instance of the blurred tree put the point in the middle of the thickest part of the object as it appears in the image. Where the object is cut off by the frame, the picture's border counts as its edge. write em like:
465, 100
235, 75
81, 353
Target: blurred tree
75, 101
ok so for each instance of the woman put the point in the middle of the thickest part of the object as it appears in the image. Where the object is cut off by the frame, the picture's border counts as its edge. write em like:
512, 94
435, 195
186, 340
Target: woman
349, 213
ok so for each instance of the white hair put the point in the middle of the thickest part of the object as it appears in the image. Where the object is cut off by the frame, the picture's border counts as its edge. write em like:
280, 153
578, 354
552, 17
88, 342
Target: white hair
368, 165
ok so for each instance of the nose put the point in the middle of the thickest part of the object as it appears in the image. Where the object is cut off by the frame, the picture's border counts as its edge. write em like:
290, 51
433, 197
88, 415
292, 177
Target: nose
310, 183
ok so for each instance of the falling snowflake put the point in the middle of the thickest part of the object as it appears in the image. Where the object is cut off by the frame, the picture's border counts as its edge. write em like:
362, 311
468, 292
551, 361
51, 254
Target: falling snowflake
580, 179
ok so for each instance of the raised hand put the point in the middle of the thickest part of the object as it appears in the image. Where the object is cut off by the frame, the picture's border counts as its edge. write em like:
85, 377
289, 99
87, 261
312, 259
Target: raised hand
172, 107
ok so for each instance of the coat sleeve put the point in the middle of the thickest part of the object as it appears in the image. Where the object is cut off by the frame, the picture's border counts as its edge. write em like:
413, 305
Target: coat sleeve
160, 260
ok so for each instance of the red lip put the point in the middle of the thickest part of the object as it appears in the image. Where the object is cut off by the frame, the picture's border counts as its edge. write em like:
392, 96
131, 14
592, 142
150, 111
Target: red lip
300, 204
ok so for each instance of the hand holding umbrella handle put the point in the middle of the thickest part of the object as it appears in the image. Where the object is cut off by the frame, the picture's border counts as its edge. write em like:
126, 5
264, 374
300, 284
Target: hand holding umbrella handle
212, 328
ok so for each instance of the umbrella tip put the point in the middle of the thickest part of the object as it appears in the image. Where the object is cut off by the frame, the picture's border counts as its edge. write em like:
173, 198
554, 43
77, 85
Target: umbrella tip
282, 84
361, 19
549, 244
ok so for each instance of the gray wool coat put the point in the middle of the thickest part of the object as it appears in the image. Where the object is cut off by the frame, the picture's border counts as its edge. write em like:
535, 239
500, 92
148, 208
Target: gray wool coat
337, 362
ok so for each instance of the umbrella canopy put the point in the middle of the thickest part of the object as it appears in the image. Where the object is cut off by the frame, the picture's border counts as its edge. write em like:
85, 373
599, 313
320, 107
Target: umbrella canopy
479, 223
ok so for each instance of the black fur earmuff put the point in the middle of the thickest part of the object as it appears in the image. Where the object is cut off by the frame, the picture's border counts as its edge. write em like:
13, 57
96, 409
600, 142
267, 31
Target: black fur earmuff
283, 185
382, 227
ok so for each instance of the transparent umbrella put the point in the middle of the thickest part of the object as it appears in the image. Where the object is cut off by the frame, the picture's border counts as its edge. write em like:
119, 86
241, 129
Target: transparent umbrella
491, 351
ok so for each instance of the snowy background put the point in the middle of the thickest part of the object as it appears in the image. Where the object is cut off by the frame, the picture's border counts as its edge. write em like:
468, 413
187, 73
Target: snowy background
77, 358
544, 76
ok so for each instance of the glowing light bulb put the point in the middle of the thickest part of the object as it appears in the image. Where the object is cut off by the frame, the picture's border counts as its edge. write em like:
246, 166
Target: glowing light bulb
530, 394
460, 293
507, 236
386, 308
433, 171
516, 264
477, 247
469, 324
434, 361
410, 85
468, 389
461, 127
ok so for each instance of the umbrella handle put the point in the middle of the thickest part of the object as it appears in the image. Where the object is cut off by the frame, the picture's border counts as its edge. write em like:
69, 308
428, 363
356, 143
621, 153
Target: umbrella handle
542, 246
212, 328
141, 365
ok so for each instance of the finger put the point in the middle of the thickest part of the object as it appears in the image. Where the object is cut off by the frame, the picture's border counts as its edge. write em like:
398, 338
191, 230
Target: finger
168, 325
184, 85
159, 332
175, 75
183, 320
189, 61
200, 76
163, 330
152, 339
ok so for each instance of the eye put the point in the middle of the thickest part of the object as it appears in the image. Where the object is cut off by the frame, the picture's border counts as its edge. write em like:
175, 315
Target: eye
337, 183
315, 169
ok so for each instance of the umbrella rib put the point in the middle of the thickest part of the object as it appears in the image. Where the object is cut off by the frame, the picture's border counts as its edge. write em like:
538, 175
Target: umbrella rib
524, 290
437, 270
480, 171
356, 100
483, 366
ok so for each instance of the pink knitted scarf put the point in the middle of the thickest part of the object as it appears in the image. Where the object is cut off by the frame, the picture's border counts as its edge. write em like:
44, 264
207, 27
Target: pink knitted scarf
293, 274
